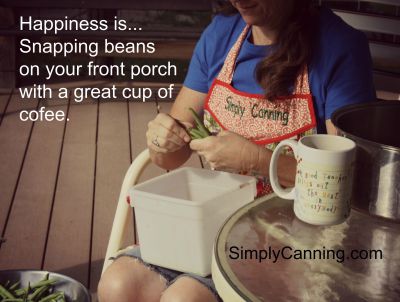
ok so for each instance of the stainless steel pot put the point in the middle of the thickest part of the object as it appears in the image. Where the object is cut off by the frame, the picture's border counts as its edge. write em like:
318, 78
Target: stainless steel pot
375, 127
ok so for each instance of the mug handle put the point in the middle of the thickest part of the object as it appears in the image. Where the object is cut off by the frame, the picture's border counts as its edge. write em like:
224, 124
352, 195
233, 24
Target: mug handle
288, 193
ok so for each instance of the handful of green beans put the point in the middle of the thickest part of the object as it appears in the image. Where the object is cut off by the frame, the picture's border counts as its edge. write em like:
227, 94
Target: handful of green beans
199, 131
42, 291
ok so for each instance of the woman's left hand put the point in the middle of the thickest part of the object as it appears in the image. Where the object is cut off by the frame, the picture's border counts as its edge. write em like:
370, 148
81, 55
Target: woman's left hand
227, 150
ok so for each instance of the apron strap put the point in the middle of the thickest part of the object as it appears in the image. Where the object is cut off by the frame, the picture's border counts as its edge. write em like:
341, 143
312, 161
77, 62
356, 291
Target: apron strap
226, 73
302, 85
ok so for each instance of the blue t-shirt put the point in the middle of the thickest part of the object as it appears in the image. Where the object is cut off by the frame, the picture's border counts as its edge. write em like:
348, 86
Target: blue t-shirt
340, 71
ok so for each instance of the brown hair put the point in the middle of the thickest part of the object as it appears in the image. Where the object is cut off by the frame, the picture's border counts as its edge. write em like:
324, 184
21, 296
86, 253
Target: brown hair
277, 72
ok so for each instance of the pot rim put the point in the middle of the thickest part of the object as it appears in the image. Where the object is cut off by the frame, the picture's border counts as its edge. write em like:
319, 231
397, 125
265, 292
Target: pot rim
355, 107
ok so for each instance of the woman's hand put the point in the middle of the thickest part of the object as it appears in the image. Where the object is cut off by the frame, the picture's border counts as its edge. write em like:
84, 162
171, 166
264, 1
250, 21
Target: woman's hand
166, 135
228, 150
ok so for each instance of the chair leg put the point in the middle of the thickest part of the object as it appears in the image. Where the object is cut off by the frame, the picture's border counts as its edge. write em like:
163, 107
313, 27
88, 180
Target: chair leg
123, 212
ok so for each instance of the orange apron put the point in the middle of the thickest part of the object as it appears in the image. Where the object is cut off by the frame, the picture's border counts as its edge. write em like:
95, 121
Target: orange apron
262, 121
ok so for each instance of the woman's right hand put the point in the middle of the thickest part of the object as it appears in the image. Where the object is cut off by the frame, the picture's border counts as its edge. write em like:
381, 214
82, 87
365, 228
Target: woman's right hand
165, 134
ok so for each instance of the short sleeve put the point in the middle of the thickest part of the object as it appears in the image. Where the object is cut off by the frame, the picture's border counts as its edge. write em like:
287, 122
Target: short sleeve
350, 80
197, 75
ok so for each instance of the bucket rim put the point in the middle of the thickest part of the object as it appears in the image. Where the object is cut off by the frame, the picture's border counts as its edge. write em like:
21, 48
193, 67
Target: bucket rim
337, 114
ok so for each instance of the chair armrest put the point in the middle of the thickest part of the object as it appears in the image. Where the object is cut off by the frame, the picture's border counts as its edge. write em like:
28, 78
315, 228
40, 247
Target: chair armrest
123, 212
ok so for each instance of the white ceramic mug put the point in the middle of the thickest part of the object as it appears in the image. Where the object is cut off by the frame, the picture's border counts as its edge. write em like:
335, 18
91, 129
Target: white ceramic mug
324, 177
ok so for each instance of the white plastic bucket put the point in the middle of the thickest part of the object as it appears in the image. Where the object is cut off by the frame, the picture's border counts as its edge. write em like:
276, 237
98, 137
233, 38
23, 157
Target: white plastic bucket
179, 214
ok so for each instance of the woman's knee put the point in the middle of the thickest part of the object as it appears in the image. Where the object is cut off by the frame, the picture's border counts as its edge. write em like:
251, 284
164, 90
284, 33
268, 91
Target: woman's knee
187, 289
129, 280
115, 282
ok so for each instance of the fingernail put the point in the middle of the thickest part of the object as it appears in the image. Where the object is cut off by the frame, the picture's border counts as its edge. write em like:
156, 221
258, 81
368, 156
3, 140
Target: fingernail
187, 138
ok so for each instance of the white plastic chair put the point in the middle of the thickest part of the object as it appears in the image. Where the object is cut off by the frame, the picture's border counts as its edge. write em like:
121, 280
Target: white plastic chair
123, 212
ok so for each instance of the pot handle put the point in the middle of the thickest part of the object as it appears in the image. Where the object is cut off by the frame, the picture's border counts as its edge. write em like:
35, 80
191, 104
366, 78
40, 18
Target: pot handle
288, 193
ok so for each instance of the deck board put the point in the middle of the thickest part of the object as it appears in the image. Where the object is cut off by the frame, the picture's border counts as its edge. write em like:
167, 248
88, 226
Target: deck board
27, 228
4, 100
14, 137
113, 159
74, 196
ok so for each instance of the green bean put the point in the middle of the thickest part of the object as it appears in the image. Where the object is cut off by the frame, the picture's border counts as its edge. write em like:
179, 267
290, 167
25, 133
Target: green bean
22, 291
14, 286
13, 300
38, 292
25, 298
199, 132
5, 293
56, 296
44, 282
62, 297
199, 123
193, 135
195, 115
2, 295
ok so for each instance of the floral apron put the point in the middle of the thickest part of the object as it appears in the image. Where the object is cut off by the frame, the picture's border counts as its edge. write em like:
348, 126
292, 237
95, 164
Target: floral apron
254, 117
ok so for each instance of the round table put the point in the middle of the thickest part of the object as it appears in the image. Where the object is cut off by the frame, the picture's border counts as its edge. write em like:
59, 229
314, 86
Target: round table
315, 263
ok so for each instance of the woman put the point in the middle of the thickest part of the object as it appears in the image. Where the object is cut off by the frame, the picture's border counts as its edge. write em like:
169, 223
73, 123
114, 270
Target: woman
274, 70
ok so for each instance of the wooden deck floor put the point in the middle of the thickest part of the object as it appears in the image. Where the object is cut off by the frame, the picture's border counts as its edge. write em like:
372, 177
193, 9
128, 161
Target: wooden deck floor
59, 181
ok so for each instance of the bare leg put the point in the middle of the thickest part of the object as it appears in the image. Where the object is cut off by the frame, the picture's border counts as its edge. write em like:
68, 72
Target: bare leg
128, 280
186, 289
